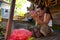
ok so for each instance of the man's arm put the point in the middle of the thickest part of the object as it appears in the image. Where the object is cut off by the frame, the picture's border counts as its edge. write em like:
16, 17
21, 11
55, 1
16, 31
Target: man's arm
47, 19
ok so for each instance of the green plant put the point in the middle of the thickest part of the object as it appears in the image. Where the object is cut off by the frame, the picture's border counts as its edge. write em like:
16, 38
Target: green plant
56, 27
2, 31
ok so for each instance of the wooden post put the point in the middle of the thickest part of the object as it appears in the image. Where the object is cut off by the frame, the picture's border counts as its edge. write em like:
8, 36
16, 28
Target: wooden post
10, 20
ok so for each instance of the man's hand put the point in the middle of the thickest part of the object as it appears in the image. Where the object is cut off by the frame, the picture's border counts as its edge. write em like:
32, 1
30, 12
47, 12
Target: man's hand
34, 16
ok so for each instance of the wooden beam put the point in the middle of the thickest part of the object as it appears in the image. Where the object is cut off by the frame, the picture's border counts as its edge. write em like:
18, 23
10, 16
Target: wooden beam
4, 2
34, 1
10, 20
39, 2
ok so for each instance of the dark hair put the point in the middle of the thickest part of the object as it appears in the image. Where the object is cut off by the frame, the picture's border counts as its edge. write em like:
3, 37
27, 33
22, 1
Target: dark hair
41, 7
48, 11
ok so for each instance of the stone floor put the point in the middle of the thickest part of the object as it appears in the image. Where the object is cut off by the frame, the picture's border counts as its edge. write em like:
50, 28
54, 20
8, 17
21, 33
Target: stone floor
55, 36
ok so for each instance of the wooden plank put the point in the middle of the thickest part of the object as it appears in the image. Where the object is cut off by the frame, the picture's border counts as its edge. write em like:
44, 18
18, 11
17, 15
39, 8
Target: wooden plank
55, 9
10, 20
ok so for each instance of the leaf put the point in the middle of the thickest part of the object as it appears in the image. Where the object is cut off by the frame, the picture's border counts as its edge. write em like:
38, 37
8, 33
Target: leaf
19, 6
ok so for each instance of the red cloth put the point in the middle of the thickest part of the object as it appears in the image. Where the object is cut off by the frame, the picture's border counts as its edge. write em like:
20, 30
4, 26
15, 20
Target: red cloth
20, 34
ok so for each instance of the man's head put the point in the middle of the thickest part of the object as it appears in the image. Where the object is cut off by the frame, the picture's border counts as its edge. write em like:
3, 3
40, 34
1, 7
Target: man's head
40, 10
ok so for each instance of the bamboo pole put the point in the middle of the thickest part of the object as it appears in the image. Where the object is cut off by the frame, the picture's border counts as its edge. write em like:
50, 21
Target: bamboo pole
10, 20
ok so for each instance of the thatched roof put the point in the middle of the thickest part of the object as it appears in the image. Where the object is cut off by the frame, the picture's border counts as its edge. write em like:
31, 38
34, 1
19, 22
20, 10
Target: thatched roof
49, 2
52, 4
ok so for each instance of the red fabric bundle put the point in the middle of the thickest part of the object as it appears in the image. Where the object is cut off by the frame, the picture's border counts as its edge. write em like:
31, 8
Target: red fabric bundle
20, 34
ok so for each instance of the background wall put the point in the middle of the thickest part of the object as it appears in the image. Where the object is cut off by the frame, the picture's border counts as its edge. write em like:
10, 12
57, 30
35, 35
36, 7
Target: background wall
55, 11
5, 10
56, 18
